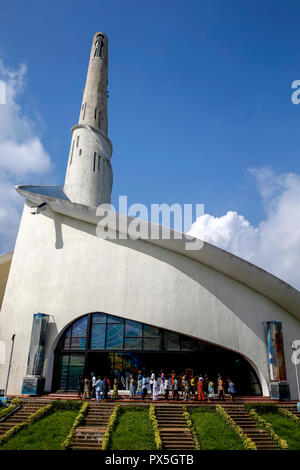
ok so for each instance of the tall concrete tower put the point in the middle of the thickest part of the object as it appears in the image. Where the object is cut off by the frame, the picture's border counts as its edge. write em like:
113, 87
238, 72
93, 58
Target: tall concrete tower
89, 174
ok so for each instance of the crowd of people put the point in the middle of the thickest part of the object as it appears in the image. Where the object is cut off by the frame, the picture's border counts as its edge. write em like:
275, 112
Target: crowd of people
173, 386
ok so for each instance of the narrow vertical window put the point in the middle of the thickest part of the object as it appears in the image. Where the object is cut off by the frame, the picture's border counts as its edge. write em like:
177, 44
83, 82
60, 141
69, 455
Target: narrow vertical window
99, 163
77, 142
94, 161
72, 152
80, 151
99, 45
95, 113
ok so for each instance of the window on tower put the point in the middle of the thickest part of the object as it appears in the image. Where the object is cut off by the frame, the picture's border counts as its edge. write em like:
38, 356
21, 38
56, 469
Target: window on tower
99, 46
72, 152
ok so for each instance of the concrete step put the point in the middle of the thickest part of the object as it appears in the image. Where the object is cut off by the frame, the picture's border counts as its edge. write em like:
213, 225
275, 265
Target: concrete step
87, 447
175, 438
87, 440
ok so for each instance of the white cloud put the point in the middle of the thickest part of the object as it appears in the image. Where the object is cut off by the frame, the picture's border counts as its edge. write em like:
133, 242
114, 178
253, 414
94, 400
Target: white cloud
274, 244
22, 155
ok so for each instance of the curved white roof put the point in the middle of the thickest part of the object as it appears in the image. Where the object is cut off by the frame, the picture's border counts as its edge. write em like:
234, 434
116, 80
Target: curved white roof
222, 261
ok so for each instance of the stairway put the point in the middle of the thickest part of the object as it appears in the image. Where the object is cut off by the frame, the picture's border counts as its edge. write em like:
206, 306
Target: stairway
240, 416
292, 408
28, 408
173, 429
89, 436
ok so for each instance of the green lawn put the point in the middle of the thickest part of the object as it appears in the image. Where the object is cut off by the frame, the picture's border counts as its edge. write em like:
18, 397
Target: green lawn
285, 428
133, 431
46, 434
213, 432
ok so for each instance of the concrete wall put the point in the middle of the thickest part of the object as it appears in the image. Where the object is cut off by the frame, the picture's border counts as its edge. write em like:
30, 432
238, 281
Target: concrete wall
61, 268
5, 262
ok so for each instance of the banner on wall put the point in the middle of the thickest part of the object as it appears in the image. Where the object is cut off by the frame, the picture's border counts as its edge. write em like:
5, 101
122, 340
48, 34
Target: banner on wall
276, 351
37, 348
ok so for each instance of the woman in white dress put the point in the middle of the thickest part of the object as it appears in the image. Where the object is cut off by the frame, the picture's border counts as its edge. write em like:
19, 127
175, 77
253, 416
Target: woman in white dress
162, 383
155, 390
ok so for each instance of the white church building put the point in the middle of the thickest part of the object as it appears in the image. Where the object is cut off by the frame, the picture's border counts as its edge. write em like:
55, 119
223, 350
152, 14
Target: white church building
73, 302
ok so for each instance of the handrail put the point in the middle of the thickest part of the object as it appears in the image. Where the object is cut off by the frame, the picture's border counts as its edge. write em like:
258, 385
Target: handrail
10, 414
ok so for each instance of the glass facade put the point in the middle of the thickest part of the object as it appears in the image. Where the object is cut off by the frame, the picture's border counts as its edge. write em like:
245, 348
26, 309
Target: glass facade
103, 343
99, 331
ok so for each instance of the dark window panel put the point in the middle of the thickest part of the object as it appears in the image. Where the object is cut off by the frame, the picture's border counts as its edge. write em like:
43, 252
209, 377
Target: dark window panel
151, 343
67, 343
99, 318
114, 337
133, 328
150, 331
78, 343
133, 343
98, 336
188, 344
171, 341
79, 327
114, 319
68, 332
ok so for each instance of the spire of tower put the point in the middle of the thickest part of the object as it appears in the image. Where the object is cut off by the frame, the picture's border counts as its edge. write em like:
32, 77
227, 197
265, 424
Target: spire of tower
89, 173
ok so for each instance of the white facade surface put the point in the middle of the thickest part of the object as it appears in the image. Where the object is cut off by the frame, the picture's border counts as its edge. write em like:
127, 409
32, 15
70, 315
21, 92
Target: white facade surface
61, 268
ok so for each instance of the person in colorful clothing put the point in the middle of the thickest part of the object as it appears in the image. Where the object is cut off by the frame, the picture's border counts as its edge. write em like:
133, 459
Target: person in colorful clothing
173, 375
186, 387
145, 384
166, 388
115, 394
80, 386
176, 391
87, 388
162, 383
220, 388
231, 389
132, 386
200, 394
155, 390
210, 390
100, 389
139, 390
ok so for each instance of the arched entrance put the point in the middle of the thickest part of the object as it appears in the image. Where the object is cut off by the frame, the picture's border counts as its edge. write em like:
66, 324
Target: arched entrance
104, 344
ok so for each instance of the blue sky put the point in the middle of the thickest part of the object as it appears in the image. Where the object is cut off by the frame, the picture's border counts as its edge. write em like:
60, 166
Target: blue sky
200, 91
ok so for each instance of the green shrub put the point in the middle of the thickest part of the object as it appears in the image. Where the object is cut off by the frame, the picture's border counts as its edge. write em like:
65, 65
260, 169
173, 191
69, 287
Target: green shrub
78, 420
11, 432
66, 404
187, 416
248, 443
15, 403
40, 414
262, 407
268, 428
110, 427
212, 430
286, 428
153, 418
288, 414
